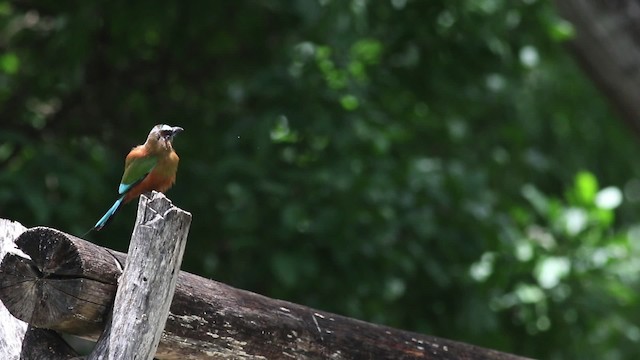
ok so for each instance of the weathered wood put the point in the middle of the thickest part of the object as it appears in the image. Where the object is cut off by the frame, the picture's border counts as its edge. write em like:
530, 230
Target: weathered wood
147, 284
12, 330
607, 46
41, 344
212, 320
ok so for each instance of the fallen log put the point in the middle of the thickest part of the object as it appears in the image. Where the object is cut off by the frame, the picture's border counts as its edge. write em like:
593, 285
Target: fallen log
68, 285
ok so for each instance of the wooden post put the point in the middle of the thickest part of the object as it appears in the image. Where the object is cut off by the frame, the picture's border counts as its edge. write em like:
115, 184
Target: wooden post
148, 282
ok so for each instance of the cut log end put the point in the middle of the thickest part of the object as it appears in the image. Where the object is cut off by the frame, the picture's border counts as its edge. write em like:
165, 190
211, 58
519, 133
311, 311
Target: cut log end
58, 278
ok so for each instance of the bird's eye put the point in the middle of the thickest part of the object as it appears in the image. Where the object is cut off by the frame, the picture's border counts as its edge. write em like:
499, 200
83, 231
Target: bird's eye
166, 133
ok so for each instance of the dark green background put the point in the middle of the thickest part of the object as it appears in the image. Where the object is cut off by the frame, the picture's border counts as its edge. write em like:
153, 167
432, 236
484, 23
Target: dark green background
436, 166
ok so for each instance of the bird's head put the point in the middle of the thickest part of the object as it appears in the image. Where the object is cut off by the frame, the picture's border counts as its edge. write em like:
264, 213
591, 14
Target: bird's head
163, 134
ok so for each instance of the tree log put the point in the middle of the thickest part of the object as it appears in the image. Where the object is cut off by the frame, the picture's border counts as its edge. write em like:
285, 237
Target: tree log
147, 284
69, 283
607, 46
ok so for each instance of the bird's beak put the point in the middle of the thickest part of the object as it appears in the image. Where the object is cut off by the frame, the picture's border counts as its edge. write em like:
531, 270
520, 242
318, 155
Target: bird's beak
176, 130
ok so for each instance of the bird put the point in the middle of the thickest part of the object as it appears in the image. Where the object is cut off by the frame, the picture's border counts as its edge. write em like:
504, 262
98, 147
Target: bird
150, 166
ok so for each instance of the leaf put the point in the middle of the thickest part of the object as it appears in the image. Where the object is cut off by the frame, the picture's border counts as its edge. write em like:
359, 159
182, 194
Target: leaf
586, 187
9, 63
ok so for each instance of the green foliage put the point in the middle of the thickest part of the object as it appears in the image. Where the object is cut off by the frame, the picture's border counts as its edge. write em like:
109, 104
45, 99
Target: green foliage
438, 166
572, 253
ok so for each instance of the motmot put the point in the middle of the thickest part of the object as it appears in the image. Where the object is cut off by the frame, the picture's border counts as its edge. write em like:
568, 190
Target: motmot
150, 166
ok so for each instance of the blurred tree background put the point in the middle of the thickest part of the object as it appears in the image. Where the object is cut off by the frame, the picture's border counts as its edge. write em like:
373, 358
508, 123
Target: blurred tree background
437, 166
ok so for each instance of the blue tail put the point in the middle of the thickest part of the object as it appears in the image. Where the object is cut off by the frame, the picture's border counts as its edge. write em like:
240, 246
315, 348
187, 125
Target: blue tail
106, 217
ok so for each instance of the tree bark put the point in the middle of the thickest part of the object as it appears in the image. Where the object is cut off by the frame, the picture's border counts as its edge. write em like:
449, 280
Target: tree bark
148, 282
607, 46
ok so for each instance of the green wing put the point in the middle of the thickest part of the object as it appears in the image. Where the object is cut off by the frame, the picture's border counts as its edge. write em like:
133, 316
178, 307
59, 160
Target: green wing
135, 171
